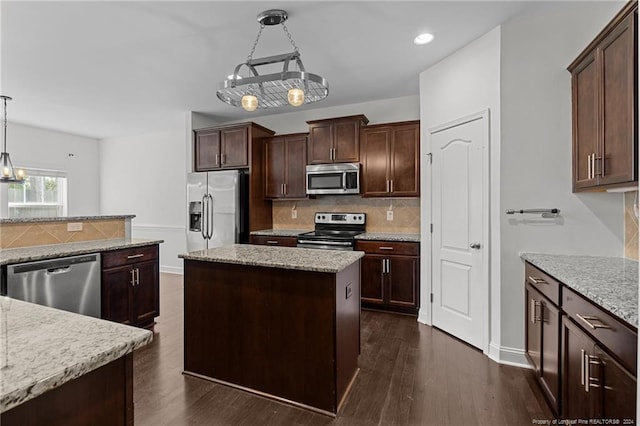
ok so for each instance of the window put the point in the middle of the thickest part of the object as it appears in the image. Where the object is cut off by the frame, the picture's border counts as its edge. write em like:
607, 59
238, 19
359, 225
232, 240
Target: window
43, 194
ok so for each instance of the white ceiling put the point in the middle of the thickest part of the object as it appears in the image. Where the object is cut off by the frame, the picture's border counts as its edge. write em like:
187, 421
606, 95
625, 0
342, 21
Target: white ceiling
107, 69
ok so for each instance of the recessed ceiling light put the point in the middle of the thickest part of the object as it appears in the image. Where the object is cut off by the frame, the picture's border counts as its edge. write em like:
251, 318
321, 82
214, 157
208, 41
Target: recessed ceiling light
423, 38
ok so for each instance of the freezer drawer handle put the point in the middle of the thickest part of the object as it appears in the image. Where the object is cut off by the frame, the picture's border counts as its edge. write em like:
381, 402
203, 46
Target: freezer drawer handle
135, 256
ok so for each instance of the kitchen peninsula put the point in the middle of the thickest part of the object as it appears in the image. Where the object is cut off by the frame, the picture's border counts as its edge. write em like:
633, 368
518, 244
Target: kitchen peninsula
278, 321
61, 368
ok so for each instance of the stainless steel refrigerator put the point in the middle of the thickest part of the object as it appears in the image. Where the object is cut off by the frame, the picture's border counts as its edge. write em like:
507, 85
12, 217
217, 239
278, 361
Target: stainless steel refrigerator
217, 203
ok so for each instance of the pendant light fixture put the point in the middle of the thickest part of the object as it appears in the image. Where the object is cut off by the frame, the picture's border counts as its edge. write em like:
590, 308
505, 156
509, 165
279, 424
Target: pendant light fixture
7, 173
254, 91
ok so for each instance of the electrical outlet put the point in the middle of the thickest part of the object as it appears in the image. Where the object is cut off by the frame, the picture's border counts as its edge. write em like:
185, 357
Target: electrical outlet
294, 214
389, 214
74, 226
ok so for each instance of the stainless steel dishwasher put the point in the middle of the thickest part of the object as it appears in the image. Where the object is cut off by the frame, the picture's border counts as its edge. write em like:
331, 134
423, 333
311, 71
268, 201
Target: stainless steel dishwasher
69, 283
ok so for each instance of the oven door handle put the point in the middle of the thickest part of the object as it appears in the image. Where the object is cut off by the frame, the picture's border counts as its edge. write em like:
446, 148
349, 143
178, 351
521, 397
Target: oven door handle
325, 243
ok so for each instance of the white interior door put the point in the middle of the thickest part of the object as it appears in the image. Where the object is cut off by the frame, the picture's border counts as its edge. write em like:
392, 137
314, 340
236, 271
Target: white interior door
459, 186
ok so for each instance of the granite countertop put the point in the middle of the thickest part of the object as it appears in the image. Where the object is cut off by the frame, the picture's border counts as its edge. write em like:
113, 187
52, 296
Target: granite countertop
384, 236
611, 282
48, 347
65, 218
278, 257
280, 232
33, 253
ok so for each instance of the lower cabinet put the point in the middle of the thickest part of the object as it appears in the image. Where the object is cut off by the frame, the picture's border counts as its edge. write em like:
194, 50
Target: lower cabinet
273, 240
130, 286
390, 276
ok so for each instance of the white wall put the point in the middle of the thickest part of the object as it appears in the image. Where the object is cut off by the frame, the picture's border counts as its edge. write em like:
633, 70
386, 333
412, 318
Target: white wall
464, 83
32, 147
536, 160
146, 176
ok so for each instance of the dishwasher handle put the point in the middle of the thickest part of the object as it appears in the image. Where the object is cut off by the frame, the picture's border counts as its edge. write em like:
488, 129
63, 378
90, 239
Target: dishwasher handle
60, 270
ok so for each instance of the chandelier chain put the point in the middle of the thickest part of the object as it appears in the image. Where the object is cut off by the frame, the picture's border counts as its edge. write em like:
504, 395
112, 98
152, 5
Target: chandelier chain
4, 139
286, 31
255, 44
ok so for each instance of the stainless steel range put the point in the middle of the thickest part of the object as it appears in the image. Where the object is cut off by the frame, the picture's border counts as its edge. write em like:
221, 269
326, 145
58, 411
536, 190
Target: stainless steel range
334, 231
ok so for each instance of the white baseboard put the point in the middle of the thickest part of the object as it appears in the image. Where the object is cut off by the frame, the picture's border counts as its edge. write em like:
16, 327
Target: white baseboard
508, 356
423, 317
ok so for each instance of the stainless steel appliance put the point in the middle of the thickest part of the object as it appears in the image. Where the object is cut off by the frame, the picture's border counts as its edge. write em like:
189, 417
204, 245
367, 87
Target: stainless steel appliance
340, 178
68, 283
217, 209
334, 231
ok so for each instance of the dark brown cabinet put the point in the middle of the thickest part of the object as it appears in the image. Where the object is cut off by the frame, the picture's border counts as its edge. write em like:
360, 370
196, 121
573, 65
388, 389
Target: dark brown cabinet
273, 240
390, 156
335, 140
604, 106
224, 148
285, 161
130, 286
390, 276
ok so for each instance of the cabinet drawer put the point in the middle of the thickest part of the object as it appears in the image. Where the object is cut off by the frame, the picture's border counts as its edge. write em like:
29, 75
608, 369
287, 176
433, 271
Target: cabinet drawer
617, 337
128, 256
388, 247
542, 282
274, 241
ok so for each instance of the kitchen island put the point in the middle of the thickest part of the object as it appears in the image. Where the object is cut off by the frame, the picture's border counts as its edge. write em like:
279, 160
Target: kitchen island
277, 321
61, 368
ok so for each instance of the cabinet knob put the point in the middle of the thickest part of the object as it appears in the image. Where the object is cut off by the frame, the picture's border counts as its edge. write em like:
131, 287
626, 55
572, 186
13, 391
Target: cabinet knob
475, 246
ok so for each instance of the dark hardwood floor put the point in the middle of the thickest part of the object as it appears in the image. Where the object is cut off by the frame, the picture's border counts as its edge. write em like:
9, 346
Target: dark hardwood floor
410, 374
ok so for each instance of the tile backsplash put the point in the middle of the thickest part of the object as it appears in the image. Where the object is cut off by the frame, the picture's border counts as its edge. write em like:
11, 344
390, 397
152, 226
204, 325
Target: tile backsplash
406, 212
630, 226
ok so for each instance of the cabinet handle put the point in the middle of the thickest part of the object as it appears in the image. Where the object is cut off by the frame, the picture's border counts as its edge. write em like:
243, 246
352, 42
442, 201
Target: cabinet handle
388, 266
589, 166
135, 256
601, 159
223, 158
137, 276
272, 242
133, 277
217, 159
384, 266
582, 367
284, 188
593, 166
536, 280
591, 382
387, 187
391, 185
587, 320
385, 248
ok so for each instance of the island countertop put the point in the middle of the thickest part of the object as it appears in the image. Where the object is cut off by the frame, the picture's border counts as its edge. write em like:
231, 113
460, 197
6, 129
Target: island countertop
34, 253
65, 218
48, 347
611, 282
278, 257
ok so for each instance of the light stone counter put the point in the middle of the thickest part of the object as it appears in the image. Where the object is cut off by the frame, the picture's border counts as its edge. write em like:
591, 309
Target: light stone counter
384, 236
278, 257
48, 347
280, 232
33, 253
65, 218
611, 282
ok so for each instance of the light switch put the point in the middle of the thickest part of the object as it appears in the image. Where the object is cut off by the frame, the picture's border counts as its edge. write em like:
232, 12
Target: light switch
74, 226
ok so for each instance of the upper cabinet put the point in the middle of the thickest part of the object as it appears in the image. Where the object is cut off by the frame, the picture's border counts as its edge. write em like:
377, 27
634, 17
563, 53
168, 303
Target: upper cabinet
335, 140
604, 99
224, 147
285, 160
390, 156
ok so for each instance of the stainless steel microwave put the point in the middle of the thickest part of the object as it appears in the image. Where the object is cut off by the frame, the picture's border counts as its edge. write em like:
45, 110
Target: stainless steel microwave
337, 178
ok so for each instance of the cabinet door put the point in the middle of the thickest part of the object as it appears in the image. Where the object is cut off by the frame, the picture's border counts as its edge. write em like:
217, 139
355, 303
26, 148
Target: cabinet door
296, 161
618, 108
402, 279
372, 279
405, 161
274, 167
117, 294
346, 142
234, 147
618, 388
207, 151
146, 293
550, 356
320, 143
533, 329
576, 392
376, 147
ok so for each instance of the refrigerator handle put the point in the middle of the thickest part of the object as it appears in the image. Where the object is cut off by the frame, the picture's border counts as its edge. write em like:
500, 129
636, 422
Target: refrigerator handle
203, 226
210, 222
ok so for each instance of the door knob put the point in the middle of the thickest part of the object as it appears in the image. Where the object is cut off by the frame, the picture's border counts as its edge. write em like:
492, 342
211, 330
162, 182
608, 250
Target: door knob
475, 246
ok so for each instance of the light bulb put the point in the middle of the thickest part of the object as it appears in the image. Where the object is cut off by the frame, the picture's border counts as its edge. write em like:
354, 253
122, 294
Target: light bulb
295, 97
20, 174
5, 171
249, 102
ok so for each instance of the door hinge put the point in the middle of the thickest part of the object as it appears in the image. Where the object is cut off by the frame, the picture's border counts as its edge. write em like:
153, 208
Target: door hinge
431, 227
431, 297
430, 156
